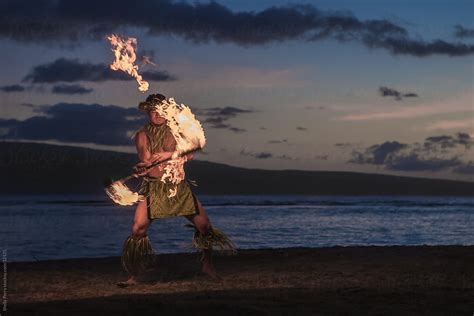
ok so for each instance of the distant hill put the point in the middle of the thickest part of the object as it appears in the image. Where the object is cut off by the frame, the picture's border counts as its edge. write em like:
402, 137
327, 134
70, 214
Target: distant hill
30, 168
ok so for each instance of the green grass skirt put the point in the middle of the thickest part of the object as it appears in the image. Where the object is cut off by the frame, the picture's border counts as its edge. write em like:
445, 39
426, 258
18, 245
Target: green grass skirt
137, 254
159, 205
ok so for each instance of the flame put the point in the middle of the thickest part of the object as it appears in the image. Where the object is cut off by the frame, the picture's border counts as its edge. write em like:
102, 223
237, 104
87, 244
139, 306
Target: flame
121, 194
174, 173
125, 57
186, 129
189, 136
148, 61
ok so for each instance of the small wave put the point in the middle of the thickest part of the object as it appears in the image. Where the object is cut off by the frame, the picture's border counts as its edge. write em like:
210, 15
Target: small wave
216, 201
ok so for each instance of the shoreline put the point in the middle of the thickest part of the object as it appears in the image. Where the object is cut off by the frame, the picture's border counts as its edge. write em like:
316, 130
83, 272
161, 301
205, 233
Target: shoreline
74, 259
366, 280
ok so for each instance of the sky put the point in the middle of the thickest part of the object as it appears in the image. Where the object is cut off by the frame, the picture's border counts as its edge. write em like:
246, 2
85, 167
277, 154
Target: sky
373, 86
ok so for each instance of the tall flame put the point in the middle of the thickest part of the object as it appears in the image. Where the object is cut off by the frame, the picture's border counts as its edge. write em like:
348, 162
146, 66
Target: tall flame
189, 136
125, 57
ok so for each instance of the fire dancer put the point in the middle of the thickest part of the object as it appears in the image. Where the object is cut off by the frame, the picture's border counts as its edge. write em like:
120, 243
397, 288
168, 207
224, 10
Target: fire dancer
155, 142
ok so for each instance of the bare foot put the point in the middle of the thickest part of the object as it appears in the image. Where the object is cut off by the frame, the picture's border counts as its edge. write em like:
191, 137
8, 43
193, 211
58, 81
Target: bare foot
130, 282
210, 271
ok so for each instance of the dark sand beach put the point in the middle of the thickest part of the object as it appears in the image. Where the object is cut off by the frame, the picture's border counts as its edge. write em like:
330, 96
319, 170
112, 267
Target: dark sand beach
395, 280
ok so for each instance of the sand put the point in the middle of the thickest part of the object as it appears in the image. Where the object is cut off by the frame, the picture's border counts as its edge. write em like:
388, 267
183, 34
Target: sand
395, 280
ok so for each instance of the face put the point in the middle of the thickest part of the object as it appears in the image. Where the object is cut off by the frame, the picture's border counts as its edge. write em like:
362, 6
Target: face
155, 118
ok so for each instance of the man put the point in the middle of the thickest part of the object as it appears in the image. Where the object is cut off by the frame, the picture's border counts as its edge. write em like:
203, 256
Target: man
155, 143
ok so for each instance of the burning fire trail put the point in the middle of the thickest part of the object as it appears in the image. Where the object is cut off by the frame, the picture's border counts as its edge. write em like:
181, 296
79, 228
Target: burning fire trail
147, 61
184, 126
189, 136
125, 57
122, 195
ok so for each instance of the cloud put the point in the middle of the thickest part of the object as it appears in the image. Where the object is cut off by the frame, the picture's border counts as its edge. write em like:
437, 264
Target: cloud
217, 117
377, 154
388, 92
310, 107
285, 157
75, 21
448, 141
283, 141
257, 155
343, 145
414, 162
70, 89
146, 57
228, 127
228, 111
450, 124
436, 153
456, 104
321, 157
12, 88
263, 155
465, 168
72, 70
419, 48
236, 129
77, 123
462, 32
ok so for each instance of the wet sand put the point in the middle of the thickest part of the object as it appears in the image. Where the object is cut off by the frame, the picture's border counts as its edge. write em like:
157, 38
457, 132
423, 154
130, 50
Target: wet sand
395, 280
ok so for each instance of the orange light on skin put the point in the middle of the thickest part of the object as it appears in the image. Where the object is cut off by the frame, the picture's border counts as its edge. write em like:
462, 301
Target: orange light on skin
155, 118
189, 136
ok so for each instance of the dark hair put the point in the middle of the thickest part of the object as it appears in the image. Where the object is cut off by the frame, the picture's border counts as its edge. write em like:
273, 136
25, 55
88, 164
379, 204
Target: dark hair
151, 102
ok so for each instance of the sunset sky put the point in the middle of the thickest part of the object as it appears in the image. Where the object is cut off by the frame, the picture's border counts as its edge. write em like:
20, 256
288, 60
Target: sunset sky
378, 86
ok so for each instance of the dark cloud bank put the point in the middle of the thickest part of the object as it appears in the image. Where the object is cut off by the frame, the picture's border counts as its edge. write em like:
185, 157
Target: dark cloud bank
73, 70
57, 89
72, 21
94, 123
77, 123
218, 117
263, 155
463, 32
70, 89
397, 95
428, 156
63, 70
12, 88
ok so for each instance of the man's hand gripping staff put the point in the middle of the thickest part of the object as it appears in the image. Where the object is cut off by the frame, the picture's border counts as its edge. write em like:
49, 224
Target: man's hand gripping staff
122, 195
143, 167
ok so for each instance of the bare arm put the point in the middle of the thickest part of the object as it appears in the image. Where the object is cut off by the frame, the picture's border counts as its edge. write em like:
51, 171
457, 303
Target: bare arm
141, 143
170, 145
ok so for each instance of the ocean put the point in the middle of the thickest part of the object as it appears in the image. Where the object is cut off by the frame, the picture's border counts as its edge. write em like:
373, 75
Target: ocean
34, 228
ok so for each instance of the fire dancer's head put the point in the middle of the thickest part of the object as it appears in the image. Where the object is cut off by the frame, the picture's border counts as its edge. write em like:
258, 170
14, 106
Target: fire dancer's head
150, 106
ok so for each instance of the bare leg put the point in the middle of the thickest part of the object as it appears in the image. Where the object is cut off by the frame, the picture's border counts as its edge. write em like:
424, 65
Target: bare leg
139, 229
203, 224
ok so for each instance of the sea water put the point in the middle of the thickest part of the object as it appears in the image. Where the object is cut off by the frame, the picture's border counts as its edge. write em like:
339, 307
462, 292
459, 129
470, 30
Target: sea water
72, 226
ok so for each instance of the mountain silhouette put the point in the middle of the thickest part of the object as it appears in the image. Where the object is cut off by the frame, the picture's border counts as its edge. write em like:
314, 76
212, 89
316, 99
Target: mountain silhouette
33, 168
